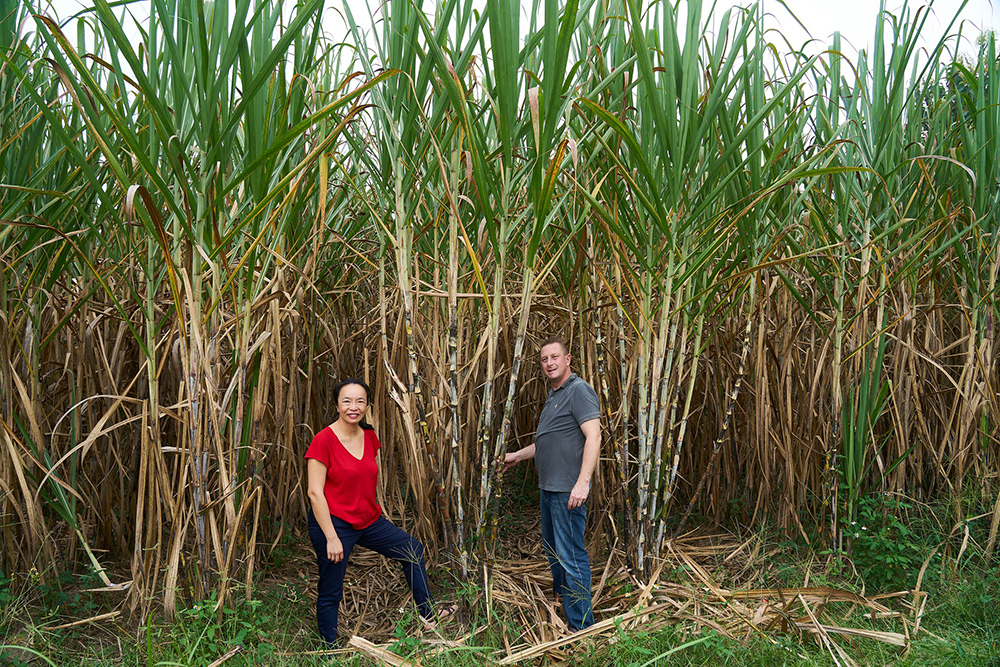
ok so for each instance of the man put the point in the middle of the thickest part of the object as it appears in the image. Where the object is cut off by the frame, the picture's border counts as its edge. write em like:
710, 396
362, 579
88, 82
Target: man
566, 448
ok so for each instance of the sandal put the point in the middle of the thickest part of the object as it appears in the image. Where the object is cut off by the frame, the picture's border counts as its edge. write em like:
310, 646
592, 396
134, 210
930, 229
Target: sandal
443, 613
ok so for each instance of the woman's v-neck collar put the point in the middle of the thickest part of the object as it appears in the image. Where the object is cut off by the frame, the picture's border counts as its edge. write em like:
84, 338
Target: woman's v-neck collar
364, 444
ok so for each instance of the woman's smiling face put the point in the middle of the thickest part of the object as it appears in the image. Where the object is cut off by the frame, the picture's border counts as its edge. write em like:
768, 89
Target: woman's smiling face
352, 403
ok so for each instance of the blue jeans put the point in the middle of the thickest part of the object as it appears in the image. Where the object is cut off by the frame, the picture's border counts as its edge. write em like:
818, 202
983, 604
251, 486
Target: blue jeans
562, 539
381, 537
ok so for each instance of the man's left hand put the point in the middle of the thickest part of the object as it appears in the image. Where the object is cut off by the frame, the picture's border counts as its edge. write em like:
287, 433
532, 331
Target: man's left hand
578, 495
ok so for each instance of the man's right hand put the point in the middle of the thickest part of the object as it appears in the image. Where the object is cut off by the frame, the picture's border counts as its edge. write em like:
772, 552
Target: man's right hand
334, 549
511, 460
523, 454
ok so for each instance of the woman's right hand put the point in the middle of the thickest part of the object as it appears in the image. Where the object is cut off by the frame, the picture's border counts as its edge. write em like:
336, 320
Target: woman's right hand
334, 549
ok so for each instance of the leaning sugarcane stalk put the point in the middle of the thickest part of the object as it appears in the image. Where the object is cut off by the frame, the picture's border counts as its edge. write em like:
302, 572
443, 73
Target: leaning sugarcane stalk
730, 407
404, 254
656, 412
662, 432
615, 444
964, 418
500, 448
486, 418
671, 457
223, 518
830, 503
678, 447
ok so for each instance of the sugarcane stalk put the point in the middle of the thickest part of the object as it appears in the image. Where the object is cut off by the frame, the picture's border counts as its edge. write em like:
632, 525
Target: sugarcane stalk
195, 430
500, 448
486, 425
645, 333
730, 407
699, 321
622, 451
661, 426
657, 410
7, 506
453, 381
830, 493
150, 444
986, 362
615, 444
404, 253
674, 453
218, 438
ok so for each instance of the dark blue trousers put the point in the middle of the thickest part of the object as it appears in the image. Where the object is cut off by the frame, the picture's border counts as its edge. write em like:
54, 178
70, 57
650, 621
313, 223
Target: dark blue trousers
562, 540
381, 537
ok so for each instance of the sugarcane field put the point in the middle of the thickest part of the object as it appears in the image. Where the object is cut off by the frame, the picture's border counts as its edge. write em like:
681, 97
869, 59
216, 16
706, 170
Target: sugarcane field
585, 333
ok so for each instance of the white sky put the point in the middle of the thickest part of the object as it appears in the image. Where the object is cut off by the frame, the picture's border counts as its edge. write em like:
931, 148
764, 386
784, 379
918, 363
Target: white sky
855, 19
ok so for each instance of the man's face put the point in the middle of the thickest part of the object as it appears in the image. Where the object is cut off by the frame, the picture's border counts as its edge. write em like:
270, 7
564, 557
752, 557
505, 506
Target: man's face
555, 363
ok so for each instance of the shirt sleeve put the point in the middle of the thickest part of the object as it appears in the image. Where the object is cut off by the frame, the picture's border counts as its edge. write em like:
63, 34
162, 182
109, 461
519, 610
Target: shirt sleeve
376, 443
320, 449
584, 404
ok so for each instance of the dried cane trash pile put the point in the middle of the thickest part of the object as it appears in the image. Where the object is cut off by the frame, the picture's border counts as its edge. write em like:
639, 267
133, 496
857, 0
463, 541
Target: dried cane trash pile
681, 592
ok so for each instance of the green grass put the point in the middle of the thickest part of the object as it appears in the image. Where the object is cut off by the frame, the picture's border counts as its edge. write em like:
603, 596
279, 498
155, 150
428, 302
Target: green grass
960, 623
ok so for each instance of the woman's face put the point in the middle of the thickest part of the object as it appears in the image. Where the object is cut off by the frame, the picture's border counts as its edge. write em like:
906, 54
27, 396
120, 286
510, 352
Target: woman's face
352, 404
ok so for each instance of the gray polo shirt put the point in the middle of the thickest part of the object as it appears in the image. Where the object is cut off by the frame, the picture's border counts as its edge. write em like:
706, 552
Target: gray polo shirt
559, 440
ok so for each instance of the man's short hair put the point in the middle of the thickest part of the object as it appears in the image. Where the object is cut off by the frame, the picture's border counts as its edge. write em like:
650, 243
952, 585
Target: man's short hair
552, 340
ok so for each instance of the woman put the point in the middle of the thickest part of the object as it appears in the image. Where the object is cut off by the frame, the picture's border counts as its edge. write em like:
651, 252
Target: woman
342, 471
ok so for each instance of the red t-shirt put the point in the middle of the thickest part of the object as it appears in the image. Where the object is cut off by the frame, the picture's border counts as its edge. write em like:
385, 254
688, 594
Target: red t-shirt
350, 482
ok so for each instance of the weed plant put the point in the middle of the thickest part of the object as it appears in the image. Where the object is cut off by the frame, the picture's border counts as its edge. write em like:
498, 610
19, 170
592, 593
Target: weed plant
886, 552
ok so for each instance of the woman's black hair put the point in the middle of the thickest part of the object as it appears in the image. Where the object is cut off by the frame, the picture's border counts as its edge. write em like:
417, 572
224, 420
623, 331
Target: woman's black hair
368, 396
